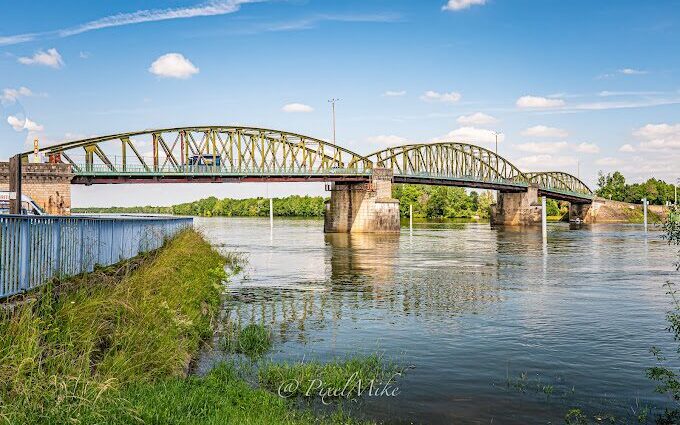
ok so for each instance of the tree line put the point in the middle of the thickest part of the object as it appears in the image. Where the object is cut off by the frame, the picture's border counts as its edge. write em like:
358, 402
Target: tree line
427, 202
613, 186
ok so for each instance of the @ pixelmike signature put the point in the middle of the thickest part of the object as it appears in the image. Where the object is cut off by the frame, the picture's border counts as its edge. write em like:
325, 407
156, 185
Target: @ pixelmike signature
352, 389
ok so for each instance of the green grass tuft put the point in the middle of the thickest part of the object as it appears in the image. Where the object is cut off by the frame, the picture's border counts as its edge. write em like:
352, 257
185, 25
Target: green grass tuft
253, 340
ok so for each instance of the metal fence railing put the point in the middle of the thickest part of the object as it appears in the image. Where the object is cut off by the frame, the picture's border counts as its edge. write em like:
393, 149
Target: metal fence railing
35, 249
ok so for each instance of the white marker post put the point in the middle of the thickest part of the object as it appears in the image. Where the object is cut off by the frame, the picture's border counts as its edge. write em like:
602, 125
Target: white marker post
271, 213
410, 217
644, 210
544, 219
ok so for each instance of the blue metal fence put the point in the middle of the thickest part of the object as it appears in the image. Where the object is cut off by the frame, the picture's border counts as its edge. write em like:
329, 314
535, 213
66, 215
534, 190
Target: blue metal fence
35, 249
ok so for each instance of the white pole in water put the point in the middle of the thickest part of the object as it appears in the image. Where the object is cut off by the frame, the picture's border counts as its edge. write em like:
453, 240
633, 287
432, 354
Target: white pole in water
644, 208
410, 217
271, 213
544, 219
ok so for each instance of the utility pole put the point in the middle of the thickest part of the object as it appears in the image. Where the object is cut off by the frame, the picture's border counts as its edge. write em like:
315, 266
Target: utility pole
332, 102
496, 134
15, 184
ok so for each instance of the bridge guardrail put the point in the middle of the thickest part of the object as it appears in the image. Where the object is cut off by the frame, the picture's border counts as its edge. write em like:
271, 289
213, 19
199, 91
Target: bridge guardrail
36, 249
103, 169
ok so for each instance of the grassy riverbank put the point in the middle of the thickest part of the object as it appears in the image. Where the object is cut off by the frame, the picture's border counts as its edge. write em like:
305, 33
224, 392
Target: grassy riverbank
115, 346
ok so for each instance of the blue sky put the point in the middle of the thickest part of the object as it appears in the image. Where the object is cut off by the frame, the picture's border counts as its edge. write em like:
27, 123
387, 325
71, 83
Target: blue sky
576, 85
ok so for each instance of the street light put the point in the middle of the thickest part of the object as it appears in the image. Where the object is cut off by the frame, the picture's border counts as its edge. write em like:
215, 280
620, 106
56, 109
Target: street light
332, 102
496, 134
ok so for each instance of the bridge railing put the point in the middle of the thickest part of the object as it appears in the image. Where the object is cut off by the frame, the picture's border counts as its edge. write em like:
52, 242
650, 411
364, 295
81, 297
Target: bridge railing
36, 249
465, 177
167, 170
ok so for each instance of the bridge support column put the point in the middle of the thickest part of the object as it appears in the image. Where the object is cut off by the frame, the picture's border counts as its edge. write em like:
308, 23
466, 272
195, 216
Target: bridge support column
363, 207
49, 185
581, 213
517, 208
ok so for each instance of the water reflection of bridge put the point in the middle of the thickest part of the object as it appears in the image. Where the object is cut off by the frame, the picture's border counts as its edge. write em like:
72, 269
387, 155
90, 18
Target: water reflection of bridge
368, 276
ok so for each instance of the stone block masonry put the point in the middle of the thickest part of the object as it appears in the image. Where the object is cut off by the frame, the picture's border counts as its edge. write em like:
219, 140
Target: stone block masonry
49, 185
363, 207
517, 209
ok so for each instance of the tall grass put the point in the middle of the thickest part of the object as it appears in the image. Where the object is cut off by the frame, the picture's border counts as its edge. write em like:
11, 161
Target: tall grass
64, 357
253, 340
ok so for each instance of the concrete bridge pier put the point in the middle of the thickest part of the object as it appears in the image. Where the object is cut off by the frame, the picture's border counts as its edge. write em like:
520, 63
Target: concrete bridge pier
517, 208
49, 185
363, 207
581, 213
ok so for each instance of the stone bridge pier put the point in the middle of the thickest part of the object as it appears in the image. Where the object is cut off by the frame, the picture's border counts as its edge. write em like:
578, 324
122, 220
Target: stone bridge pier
363, 207
517, 208
49, 185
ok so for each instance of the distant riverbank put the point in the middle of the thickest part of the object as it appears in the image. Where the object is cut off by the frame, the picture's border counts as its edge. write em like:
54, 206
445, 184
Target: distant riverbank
427, 202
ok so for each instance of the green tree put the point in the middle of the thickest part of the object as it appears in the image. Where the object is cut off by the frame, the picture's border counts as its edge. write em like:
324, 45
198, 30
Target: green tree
666, 371
552, 208
437, 203
611, 186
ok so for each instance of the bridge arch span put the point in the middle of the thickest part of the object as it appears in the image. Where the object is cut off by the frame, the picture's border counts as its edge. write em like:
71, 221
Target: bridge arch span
210, 150
451, 163
560, 185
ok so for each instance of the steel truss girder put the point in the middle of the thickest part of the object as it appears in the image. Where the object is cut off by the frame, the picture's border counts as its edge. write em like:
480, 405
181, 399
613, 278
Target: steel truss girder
448, 159
239, 153
559, 181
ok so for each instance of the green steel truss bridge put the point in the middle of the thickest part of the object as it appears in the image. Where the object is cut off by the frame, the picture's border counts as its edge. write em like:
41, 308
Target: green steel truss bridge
235, 154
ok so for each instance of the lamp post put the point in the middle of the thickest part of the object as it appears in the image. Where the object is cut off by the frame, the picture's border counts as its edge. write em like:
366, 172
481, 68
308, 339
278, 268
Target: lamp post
496, 134
332, 102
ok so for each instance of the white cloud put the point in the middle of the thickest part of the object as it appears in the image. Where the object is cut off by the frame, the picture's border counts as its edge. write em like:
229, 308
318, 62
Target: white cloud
627, 148
607, 93
84, 55
478, 118
587, 148
543, 148
209, 8
471, 135
545, 162
433, 96
388, 140
609, 161
644, 103
10, 95
545, 131
19, 124
456, 5
394, 93
16, 39
297, 107
173, 65
50, 58
631, 71
538, 102
659, 136
314, 21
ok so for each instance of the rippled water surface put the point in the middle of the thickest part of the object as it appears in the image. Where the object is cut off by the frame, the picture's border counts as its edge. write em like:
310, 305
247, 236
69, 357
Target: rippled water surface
498, 327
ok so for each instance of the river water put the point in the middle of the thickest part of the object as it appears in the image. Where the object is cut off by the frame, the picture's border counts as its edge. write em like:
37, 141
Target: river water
497, 327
